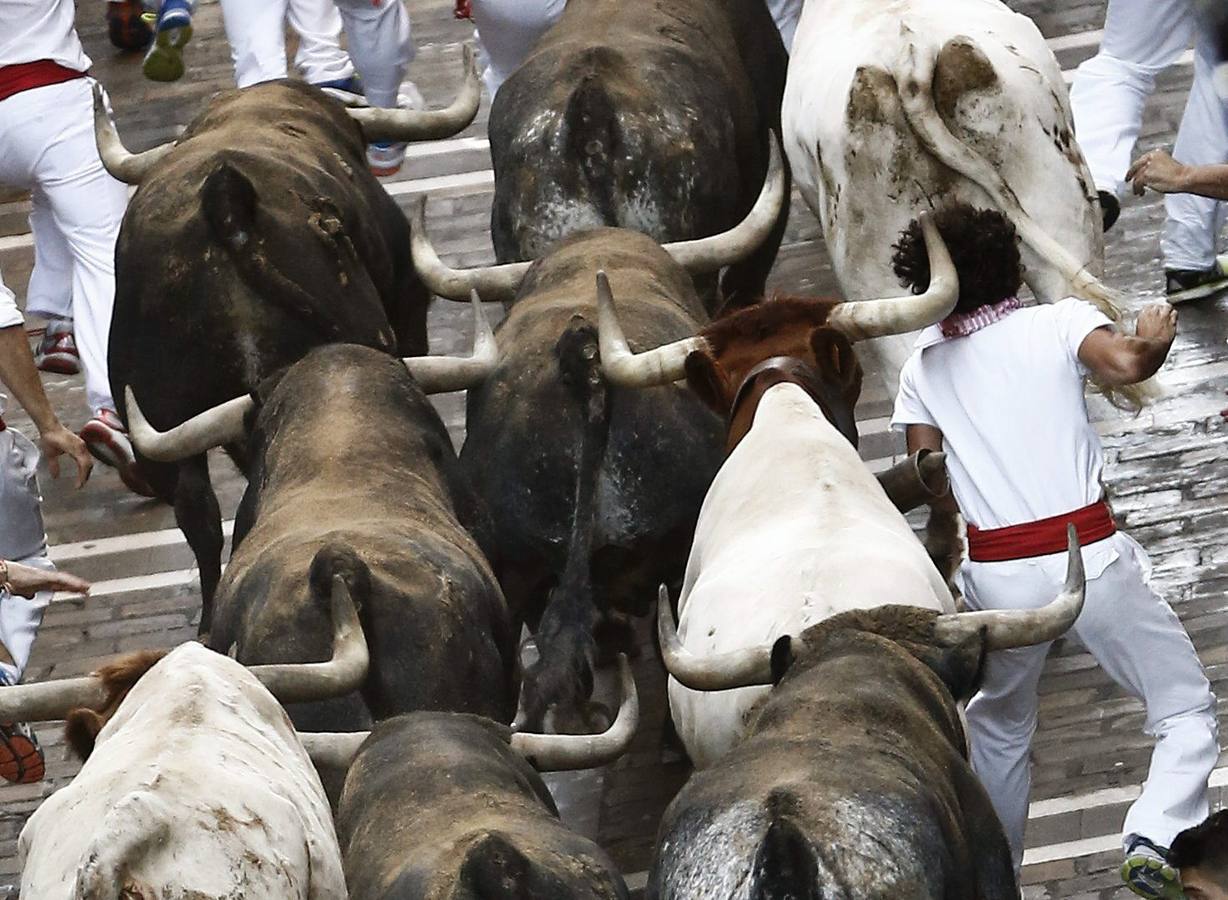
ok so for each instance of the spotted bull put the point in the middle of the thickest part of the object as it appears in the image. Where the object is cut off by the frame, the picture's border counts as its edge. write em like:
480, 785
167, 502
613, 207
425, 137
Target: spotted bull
195, 783
259, 234
593, 492
449, 806
652, 115
794, 528
895, 106
353, 471
852, 780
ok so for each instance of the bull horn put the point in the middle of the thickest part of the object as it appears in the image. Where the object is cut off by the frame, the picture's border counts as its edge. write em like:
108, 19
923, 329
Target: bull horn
424, 125
709, 254
1005, 629
861, 320
662, 365
305, 682
718, 672
127, 167
440, 374
50, 700
223, 424
495, 283
563, 752
334, 750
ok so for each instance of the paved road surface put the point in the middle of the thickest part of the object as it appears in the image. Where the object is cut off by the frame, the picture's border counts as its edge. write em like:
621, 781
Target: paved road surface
1164, 472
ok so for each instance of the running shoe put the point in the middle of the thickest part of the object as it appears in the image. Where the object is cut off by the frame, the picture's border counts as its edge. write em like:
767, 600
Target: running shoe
1147, 873
21, 757
1195, 284
57, 351
386, 157
107, 440
172, 31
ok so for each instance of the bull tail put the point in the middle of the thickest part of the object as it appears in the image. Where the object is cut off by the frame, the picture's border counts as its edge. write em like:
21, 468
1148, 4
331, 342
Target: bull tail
786, 864
563, 673
914, 77
135, 826
593, 138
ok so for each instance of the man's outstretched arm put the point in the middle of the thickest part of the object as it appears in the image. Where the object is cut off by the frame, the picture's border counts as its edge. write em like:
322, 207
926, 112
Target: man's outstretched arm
1117, 359
1160, 172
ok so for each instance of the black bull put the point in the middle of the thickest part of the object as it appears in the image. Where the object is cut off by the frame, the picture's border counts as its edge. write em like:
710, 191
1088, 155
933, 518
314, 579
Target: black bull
258, 235
376, 496
651, 115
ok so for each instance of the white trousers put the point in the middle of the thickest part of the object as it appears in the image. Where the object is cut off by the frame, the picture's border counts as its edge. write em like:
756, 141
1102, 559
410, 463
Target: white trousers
22, 539
1141, 39
49, 293
256, 30
381, 46
1140, 643
508, 30
47, 145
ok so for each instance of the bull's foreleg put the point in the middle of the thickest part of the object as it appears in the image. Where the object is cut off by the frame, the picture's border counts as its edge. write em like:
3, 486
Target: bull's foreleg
200, 519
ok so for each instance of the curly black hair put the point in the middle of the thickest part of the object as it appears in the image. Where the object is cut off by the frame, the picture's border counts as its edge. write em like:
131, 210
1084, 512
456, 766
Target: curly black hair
983, 246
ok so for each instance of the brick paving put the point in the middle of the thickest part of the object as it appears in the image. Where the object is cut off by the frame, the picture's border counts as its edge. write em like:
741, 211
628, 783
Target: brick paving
1165, 472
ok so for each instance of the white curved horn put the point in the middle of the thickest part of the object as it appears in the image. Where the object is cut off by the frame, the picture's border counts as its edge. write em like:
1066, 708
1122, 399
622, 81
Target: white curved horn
440, 374
661, 365
562, 752
495, 283
718, 672
305, 682
719, 250
50, 700
335, 750
214, 427
380, 124
860, 320
1005, 629
127, 167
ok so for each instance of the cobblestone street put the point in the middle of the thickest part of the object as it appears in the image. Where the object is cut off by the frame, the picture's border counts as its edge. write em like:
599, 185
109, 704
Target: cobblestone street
1167, 475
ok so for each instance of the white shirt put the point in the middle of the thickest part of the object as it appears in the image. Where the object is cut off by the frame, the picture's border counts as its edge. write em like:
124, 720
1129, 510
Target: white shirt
1009, 402
31, 30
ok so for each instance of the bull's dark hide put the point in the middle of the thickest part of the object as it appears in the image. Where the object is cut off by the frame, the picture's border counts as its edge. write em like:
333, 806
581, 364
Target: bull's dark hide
438, 806
643, 114
353, 471
851, 783
593, 490
261, 235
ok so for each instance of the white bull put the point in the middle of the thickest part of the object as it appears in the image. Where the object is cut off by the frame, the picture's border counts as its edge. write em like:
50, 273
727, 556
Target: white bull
197, 786
894, 106
794, 529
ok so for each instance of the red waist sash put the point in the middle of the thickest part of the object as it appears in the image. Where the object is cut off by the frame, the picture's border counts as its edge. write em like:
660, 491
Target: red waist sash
25, 76
1042, 537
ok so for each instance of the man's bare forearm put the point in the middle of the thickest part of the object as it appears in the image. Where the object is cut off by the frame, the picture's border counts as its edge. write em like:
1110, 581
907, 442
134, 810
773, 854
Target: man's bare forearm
1206, 181
18, 374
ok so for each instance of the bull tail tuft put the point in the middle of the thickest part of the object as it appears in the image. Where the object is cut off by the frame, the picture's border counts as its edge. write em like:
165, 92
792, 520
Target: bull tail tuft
914, 78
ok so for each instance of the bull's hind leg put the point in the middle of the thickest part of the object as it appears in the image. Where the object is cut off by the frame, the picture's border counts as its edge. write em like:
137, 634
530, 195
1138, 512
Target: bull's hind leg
743, 283
200, 519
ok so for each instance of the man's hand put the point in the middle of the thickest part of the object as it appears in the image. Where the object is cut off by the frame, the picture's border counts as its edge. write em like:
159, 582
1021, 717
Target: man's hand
1160, 172
28, 581
1157, 322
59, 440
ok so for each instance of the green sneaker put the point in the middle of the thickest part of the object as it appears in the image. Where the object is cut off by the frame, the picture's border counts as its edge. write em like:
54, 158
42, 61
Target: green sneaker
164, 61
1147, 873
1194, 284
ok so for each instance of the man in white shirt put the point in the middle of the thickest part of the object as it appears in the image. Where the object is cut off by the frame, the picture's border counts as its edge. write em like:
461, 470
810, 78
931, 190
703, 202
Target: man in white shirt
47, 145
1000, 389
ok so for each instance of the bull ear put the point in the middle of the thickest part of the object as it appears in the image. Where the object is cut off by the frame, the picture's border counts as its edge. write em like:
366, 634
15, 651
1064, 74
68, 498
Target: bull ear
229, 202
960, 667
782, 657
835, 357
706, 379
